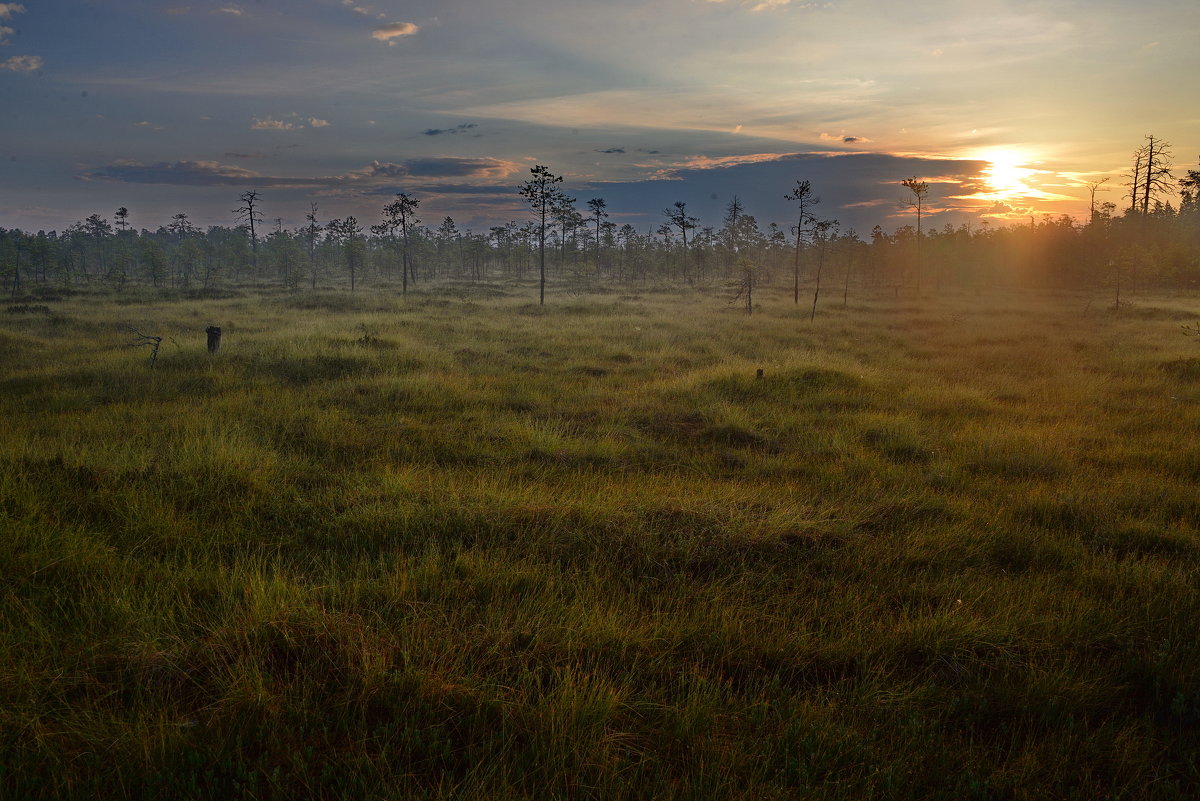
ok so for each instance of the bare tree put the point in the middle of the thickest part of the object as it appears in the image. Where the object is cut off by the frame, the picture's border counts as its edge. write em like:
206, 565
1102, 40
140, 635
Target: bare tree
919, 189
821, 236
748, 276
1155, 172
804, 197
1092, 187
249, 215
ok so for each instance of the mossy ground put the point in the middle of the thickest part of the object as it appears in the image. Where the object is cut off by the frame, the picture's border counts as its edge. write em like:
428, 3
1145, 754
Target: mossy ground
463, 546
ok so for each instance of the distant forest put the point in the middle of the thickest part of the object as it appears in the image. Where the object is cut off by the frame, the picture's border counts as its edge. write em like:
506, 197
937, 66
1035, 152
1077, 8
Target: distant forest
1152, 241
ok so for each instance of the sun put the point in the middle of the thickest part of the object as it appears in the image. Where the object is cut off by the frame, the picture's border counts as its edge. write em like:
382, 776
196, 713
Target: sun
1005, 176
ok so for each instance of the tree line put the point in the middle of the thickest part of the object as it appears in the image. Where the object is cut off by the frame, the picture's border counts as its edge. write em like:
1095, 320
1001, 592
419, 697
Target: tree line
1153, 240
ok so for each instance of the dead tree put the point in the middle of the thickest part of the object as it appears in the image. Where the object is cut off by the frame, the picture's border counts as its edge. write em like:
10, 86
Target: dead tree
249, 215
148, 341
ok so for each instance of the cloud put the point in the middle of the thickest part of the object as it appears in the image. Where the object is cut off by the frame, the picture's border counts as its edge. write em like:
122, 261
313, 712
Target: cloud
233, 10
271, 124
5, 32
389, 33
844, 138
22, 64
244, 155
612, 150
764, 5
178, 173
860, 189
457, 129
366, 11
756, 109
8, 9
440, 167
376, 174
287, 122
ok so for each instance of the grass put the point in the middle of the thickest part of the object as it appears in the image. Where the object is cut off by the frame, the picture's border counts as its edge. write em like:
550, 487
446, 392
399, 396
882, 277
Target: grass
463, 546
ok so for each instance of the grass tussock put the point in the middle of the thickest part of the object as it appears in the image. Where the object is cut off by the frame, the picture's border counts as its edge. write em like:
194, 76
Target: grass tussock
465, 546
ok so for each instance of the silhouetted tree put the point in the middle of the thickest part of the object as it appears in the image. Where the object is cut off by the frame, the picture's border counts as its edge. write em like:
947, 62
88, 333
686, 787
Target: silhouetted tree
312, 233
1092, 187
1153, 172
542, 194
919, 189
598, 206
401, 213
804, 197
821, 237
249, 215
678, 217
347, 233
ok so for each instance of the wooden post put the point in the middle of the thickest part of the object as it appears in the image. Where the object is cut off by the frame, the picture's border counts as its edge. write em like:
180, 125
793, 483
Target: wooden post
214, 338
759, 374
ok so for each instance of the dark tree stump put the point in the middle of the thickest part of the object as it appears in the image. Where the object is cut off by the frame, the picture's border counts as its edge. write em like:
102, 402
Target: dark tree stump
214, 338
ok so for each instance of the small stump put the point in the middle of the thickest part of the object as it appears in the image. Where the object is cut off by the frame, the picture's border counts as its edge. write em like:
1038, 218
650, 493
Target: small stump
214, 338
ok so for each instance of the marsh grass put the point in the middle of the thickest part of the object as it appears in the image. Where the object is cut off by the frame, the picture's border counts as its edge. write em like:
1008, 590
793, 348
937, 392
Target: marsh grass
462, 546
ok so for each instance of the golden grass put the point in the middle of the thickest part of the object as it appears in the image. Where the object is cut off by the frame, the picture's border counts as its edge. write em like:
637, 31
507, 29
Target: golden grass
463, 546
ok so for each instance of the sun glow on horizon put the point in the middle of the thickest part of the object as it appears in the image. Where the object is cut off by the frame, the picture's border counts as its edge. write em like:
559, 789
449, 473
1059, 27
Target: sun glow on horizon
1006, 177
1014, 185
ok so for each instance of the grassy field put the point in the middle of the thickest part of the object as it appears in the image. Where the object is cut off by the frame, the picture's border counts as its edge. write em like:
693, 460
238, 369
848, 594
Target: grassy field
462, 546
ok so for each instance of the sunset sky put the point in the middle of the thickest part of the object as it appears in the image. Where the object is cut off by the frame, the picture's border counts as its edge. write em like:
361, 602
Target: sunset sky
1008, 108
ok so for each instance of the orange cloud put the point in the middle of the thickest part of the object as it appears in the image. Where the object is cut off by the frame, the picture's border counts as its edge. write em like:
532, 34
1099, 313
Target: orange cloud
22, 64
389, 33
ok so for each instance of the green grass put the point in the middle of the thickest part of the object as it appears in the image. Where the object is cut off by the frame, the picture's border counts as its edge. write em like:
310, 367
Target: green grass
462, 546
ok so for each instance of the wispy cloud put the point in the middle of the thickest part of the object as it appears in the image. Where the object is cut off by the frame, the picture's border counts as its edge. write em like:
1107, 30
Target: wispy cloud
232, 10
612, 150
440, 167
22, 64
6, 12
377, 173
178, 173
393, 31
764, 5
287, 122
272, 124
695, 109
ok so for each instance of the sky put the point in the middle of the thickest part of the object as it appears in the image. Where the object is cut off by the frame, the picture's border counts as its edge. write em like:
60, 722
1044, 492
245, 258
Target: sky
1006, 109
